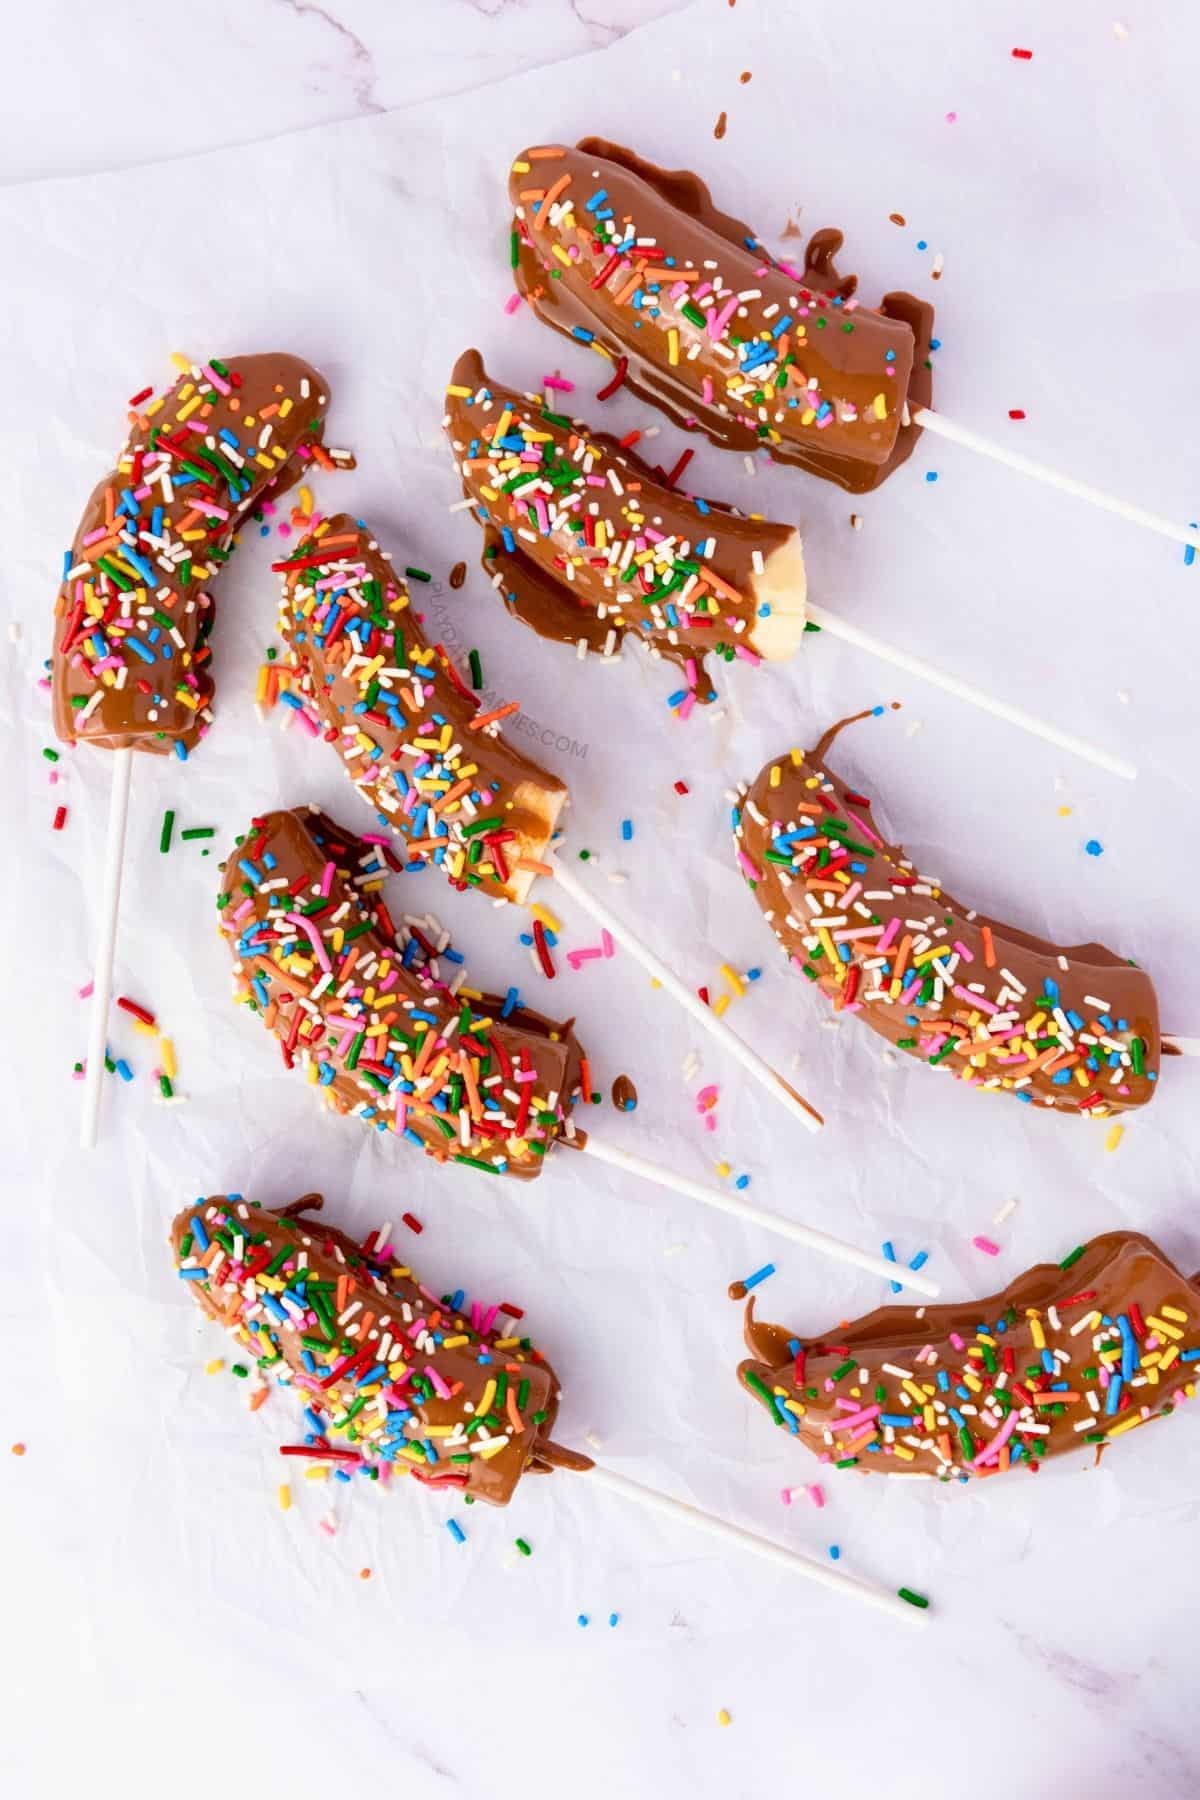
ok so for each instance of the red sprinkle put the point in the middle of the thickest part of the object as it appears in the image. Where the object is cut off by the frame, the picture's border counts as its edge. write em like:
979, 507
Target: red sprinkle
414, 1224
543, 950
139, 1012
1015, 412
514, 1312
60, 817
610, 387
703, 993
680, 466
681, 787
1023, 55
144, 395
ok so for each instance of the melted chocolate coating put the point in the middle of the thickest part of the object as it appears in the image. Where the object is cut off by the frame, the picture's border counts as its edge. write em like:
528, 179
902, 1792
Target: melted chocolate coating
406, 1382
133, 616
404, 722
383, 1016
1068, 1355
1074, 1028
637, 260
585, 544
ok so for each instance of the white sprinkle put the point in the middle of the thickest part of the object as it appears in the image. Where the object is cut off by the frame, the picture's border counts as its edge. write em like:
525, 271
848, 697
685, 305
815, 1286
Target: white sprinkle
1006, 1212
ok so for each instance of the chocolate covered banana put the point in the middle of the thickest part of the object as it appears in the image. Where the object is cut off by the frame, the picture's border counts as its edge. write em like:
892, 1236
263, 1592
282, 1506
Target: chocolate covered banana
1072, 1028
380, 1018
410, 732
585, 544
131, 664
1071, 1355
391, 1378
699, 319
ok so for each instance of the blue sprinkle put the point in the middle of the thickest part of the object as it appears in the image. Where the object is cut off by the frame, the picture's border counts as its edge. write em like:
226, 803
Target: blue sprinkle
759, 1275
935, 343
1094, 847
626, 829
582, 1619
921, 244
753, 974
582, 333
456, 1531
835, 1550
931, 475
123, 1069
1189, 555
919, 1260
890, 1254
742, 1182
613, 1617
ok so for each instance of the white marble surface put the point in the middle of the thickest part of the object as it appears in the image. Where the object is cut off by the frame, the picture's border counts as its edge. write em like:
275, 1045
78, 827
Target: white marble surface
170, 1628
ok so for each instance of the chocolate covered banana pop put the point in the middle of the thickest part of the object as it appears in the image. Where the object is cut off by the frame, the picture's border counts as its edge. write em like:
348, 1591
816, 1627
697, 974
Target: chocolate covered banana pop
1071, 1028
699, 319
133, 616
585, 544
1072, 1354
391, 1377
410, 733
380, 1018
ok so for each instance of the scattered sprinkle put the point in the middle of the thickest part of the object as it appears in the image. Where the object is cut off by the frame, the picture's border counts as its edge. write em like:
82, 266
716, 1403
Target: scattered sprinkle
456, 1531
18, 1449
284, 1496
835, 1551
523, 1547
913, 1599
1016, 412
1115, 1134
1094, 847
60, 817
1023, 55
164, 836
413, 1223
626, 830
720, 127
986, 1245
364, 1574
582, 1619
1005, 1212
931, 475
681, 787
724, 1717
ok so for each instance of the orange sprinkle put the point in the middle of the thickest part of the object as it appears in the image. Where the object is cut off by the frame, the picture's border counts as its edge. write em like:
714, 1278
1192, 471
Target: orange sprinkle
257, 1398
989, 948
500, 712
551, 195
18, 1449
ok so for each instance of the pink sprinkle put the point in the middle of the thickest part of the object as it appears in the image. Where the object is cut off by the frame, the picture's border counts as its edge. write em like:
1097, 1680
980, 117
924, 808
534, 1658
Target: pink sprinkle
86, 992
511, 304
327, 874
951, 118
557, 382
785, 1494
958, 1342
986, 1245
606, 943
710, 1121
815, 1494
686, 706
707, 1095
589, 954
328, 1527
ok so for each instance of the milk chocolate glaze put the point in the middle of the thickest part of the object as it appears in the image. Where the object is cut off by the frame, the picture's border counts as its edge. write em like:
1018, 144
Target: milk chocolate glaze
459, 796
586, 544
400, 1381
1070, 1028
637, 261
1070, 1356
131, 664
381, 1018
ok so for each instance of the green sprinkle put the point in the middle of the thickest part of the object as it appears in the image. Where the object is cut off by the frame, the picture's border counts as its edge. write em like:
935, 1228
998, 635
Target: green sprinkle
1073, 1258
913, 1599
197, 831
50, 755
418, 574
839, 1374
476, 670
847, 1462
164, 1087
762, 1390
514, 248
523, 1547
164, 836
1138, 1051
241, 1371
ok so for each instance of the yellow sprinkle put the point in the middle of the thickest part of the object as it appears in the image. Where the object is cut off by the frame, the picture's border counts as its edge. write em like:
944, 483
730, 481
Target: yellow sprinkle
734, 979
880, 405
318, 1472
724, 1717
306, 502
1173, 1312
722, 1169
1160, 1325
180, 360
1115, 1134
215, 1366
673, 346
547, 918
1065, 811
904, 1455
721, 1004
562, 255
285, 1496
166, 1052
1125, 1425
459, 393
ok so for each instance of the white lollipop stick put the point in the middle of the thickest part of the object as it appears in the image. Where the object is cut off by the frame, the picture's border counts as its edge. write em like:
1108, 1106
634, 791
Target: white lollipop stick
811, 1239
796, 1564
1012, 715
1066, 484
762, 1072
1186, 1046
110, 902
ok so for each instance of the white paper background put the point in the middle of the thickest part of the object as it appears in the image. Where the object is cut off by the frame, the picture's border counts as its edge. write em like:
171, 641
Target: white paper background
154, 1585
